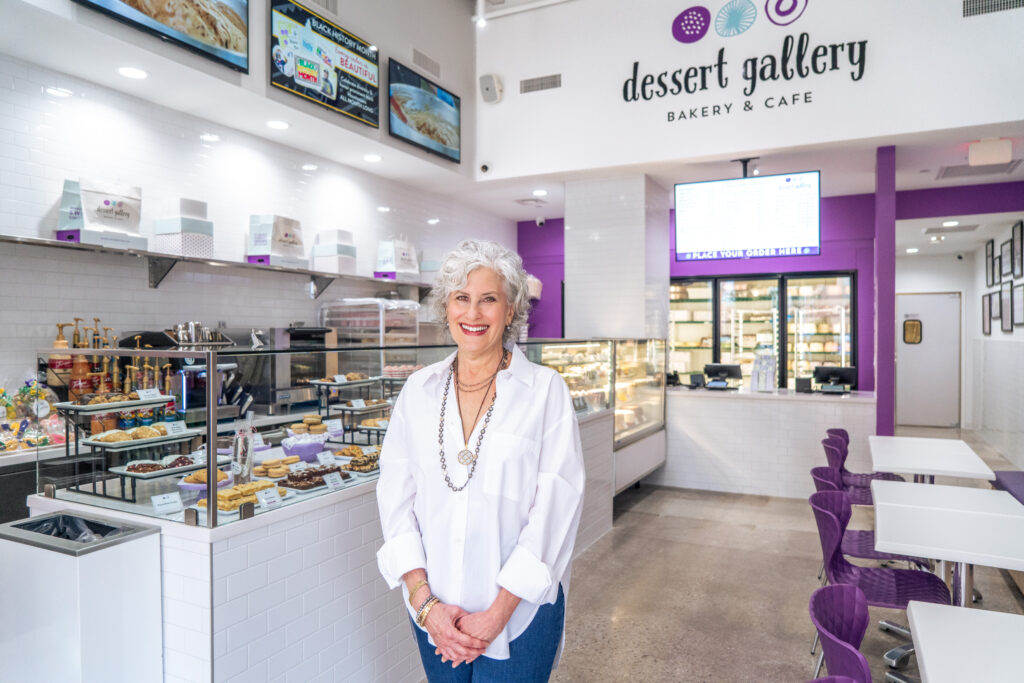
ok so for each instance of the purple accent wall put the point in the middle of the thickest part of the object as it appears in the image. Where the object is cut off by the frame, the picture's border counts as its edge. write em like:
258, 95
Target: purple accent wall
885, 289
543, 252
963, 200
847, 243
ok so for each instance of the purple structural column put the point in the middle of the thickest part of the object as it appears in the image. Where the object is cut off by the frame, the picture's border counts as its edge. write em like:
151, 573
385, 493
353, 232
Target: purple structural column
885, 290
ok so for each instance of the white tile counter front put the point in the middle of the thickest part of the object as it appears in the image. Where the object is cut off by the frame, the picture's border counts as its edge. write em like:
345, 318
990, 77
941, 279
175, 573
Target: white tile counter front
759, 443
295, 594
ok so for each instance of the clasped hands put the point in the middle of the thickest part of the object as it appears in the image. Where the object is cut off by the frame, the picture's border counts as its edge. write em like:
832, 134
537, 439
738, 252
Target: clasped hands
461, 636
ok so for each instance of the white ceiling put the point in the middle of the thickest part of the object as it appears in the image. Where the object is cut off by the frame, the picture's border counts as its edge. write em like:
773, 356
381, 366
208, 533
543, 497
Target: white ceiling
992, 226
81, 45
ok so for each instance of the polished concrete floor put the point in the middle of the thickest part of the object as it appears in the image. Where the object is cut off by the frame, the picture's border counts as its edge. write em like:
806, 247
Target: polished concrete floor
701, 586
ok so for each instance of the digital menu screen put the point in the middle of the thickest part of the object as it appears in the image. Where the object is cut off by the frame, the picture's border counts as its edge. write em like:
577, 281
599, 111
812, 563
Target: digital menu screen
218, 29
423, 114
761, 216
321, 62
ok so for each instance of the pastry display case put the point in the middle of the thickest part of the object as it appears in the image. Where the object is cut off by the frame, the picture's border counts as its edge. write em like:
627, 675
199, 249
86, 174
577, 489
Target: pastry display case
818, 324
128, 447
749, 321
584, 365
638, 388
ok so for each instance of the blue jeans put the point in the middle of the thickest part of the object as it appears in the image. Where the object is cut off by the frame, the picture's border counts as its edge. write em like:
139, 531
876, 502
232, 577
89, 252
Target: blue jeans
531, 654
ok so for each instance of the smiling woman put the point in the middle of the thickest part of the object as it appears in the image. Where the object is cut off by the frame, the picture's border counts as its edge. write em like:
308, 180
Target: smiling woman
484, 558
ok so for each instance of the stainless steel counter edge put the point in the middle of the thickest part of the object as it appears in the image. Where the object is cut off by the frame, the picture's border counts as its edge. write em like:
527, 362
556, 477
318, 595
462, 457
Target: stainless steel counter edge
135, 528
41, 505
778, 394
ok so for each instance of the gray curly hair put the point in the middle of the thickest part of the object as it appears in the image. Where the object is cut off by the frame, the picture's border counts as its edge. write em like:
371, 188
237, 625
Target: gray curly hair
467, 257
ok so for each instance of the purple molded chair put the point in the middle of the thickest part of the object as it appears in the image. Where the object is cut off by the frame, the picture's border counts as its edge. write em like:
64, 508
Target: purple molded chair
840, 615
1010, 481
835, 679
883, 587
831, 479
836, 451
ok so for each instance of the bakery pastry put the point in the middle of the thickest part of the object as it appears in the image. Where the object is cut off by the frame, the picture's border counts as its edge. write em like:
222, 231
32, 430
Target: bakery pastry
290, 460
272, 462
259, 471
144, 432
300, 428
277, 472
318, 429
160, 428
113, 437
311, 420
199, 477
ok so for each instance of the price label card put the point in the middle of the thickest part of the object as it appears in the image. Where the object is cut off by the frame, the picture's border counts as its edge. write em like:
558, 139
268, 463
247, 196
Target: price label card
146, 394
340, 379
176, 427
358, 403
334, 426
167, 503
333, 481
268, 498
297, 466
326, 458
257, 439
370, 450
236, 468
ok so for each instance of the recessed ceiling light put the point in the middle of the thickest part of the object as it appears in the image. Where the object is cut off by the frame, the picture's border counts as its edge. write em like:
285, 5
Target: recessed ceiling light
372, 158
950, 224
58, 92
938, 238
433, 221
309, 167
209, 137
912, 250
132, 72
278, 125
540, 193
373, 48
383, 209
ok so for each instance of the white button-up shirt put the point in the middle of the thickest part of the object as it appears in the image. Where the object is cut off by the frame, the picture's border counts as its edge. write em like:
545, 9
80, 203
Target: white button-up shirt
515, 524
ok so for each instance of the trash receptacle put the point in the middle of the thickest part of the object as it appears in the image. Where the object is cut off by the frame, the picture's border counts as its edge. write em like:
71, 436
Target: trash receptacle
81, 600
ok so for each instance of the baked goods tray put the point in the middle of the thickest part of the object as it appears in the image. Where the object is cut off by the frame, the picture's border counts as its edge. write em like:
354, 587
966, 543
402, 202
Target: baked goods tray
138, 443
354, 383
289, 494
123, 469
109, 407
376, 408
362, 475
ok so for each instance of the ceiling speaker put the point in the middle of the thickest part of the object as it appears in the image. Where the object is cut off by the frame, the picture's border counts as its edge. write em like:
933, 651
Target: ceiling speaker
490, 88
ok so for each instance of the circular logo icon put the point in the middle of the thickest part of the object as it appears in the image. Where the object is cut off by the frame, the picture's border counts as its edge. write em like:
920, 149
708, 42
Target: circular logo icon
784, 12
692, 24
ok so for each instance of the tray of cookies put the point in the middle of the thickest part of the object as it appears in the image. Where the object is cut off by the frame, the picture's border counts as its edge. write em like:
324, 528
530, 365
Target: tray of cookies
230, 499
275, 468
374, 424
172, 464
364, 463
104, 403
311, 479
122, 439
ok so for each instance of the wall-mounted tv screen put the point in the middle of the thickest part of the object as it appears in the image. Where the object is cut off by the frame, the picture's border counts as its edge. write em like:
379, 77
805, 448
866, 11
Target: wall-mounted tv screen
761, 216
323, 63
218, 29
423, 113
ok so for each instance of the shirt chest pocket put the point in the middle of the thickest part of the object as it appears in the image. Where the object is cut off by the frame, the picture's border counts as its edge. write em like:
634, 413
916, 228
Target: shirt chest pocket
511, 466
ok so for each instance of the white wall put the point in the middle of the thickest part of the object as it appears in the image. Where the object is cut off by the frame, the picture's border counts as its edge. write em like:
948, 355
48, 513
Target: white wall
915, 50
919, 274
999, 372
104, 133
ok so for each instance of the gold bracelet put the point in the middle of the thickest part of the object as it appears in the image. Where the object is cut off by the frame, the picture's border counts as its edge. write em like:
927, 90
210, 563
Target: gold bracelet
421, 618
412, 593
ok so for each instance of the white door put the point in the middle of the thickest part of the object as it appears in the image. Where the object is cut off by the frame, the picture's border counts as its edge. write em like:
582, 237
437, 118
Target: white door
928, 360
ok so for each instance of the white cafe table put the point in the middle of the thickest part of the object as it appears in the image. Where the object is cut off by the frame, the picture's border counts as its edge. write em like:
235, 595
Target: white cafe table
954, 644
929, 457
950, 523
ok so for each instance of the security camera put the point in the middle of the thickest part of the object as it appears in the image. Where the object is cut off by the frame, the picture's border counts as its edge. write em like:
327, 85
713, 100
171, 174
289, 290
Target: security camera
484, 168
959, 257
540, 221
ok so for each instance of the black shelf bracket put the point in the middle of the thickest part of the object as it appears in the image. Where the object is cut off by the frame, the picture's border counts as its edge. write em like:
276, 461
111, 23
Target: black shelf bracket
159, 267
319, 283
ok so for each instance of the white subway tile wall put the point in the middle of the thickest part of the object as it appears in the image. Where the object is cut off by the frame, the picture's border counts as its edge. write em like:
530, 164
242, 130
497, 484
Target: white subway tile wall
757, 446
98, 132
186, 610
605, 254
302, 600
656, 270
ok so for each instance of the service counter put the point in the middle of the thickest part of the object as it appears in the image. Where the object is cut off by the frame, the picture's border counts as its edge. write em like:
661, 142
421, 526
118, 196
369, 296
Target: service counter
758, 443
294, 593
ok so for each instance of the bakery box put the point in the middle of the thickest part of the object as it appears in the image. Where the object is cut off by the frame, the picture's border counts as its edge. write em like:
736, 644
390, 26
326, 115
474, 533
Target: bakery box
333, 252
103, 238
184, 236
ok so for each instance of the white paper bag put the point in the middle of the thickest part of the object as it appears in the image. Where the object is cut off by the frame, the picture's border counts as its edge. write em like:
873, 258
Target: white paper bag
397, 257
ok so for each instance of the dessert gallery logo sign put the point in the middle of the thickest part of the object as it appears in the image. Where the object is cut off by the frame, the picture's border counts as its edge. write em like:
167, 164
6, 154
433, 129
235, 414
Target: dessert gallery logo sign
799, 59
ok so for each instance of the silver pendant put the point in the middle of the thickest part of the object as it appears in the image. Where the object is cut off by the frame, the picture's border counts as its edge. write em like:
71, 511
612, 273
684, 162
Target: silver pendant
466, 457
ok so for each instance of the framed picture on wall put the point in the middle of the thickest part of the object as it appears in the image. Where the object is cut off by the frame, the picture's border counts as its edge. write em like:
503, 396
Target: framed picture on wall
996, 277
1017, 237
1006, 304
997, 311
990, 247
986, 314
1018, 305
1006, 259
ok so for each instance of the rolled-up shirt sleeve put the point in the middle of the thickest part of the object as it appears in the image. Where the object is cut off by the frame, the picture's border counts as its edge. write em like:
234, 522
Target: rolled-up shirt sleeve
396, 495
544, 548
